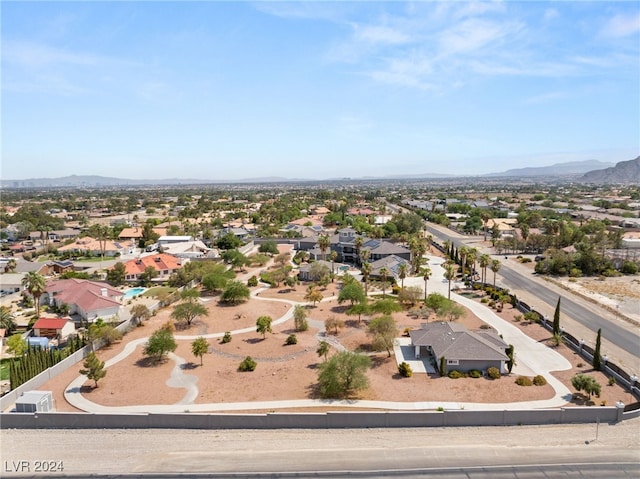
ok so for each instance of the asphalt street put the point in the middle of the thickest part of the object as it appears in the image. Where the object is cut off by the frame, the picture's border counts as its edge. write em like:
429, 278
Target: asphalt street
543, 297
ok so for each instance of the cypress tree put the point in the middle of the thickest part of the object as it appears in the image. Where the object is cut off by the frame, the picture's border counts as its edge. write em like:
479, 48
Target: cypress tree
597, 360
556, 318
510, 353
443, 366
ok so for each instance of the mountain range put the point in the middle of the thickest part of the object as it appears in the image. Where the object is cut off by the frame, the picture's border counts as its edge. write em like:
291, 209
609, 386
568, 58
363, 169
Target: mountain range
627, 172
589, 171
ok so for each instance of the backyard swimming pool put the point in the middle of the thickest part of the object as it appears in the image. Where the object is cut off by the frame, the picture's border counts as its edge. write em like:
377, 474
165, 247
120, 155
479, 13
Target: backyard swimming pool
130, 293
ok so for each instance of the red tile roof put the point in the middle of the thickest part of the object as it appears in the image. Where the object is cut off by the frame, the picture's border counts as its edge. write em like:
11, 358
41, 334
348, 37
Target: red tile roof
88, 295
160, 262
50, 323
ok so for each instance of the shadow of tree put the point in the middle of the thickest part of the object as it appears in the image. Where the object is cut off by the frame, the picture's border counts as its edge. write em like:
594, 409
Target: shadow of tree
150, 362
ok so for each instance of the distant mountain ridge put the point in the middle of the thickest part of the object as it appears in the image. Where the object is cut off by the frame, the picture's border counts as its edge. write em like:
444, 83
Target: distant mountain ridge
626, 172
569, 168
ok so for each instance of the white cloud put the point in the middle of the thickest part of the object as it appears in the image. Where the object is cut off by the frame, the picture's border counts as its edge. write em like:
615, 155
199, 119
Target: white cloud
622, 26
546, 98
550, 14
380, 35
38, 55
475, 34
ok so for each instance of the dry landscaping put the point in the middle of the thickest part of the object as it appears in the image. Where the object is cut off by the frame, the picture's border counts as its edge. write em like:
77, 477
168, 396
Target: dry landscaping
290, 371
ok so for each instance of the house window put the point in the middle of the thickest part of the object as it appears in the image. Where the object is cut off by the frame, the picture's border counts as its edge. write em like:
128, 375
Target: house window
452, 362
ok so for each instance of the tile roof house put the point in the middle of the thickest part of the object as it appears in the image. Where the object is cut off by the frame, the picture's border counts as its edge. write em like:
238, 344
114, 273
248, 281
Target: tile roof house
59, 328
163, 263
135, 233
89, 300
89, 245
462, 349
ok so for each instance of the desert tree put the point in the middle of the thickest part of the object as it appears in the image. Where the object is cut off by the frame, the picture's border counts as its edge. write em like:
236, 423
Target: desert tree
334, 323
199, 347
300, 317
597, 358
323, 349
160, 344
384, 331
263, 325
344, 374
93, 368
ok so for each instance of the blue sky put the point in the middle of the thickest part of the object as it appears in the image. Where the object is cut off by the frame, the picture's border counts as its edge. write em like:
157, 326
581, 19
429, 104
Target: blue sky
232, 90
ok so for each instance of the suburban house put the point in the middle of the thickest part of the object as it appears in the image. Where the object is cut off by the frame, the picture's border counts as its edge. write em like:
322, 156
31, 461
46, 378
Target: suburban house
54, 328
89, 300
135, 234
90, 246
392, 264
189, 249
305, 271
163, 263
167, 240
462, 349
344, 243
506, 226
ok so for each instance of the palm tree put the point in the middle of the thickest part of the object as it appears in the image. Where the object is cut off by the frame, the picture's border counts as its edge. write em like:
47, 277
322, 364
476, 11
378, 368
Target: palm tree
358, 242
485, 216
495, 267
402, 273
333, 255
36, 286
384, 273
426, 274
449, 274
6, 320
484, 263
366, 271
472, 257
323, 243
463, 252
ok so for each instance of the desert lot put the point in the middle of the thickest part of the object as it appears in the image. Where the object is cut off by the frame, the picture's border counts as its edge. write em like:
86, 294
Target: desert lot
286, 372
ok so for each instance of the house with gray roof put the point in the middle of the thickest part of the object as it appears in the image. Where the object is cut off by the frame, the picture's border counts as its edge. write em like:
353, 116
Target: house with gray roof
462, 349
391, 264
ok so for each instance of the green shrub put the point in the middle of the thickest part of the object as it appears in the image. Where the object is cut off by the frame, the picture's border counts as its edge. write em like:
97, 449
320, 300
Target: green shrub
405, 370
492, 303
253, 281
474, 373
406, 331
539, 380
629, 267
484, 300
612, 381
455, 374
292, 339
524, 381
226, 338
525, 260
247, 364
485, 326
532, 317
493, 373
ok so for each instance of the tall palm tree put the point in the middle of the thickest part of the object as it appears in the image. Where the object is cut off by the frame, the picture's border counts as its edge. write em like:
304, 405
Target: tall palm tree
366, 271
426, 274
484, 263
495, 267
384, 273
364, 256
402, 273
463, 252
358, 242
485, 216
323, 243
333, 255
36, 286
449, 274
472, 257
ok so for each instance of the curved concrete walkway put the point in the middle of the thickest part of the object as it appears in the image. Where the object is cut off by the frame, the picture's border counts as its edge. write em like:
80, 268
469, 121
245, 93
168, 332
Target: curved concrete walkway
531, 358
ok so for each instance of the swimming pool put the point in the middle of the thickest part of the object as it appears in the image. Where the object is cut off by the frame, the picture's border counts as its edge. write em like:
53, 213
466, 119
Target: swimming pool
130, 293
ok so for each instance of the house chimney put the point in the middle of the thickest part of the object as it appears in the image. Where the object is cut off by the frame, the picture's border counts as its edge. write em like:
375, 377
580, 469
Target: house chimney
103, 292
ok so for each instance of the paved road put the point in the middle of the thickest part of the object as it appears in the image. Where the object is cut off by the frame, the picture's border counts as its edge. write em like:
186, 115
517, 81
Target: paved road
471, 452
589, 317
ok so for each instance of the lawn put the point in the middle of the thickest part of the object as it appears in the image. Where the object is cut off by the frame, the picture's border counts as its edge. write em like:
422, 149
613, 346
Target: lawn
4, 368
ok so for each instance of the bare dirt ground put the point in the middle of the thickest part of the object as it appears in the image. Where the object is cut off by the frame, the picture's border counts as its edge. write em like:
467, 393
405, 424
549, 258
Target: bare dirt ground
290, 371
